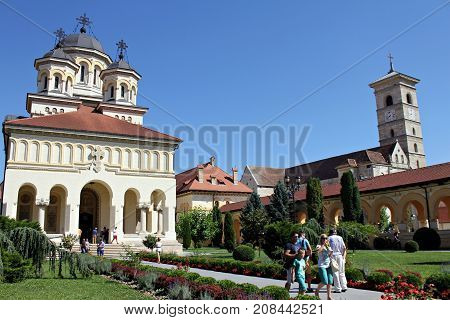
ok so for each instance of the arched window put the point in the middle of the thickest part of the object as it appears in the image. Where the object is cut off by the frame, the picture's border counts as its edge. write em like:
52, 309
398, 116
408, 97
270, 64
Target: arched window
418, 165
117, 117
61, 110
392, 133
416, 149
82, 72
129, 119
408, 98
45, 82
403, 159
111, 92
389, 101
95, 76
56, 82
396, 158
47, 109
414, 131
54, 111
122, 91
123, 117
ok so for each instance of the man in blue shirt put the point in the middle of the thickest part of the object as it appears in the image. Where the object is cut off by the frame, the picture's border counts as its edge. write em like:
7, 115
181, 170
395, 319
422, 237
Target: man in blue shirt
303, 244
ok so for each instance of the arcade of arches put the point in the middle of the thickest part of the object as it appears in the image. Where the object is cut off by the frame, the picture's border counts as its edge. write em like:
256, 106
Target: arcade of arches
140, 216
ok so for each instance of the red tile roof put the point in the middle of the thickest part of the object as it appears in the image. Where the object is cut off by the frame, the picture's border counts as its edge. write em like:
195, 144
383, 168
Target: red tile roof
188, 181
86, 119
435, 173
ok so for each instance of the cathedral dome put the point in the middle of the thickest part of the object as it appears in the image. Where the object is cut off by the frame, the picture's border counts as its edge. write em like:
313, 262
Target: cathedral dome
58, 53
83, 40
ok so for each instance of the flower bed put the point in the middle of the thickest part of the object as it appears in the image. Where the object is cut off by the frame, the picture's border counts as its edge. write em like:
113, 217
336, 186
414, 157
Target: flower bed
256, 269
165, 281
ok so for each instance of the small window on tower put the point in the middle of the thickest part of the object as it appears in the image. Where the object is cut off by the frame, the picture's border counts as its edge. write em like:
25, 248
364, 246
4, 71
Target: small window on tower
61, 110
392, 133
403, 159
47, 109
409, 98
122, 91
396, 158
418, 165
95, 77
56, 82
82, 71
117, 117
111, 92
123, 117
414, 131
45, 83
129, 119
54, 110
416, 149
389, 101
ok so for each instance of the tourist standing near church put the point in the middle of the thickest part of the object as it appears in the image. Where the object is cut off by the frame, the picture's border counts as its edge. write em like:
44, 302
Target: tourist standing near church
339, 255
325, 273
306, 246
94, 236
290, 252
115, 232
158, 246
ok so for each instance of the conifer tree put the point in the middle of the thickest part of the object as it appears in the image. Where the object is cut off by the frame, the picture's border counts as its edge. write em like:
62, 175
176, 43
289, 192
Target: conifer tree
279, 203
217, 218
228, 232
314, 200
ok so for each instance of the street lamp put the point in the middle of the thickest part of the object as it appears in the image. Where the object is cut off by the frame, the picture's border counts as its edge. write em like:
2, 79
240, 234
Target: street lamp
292, 187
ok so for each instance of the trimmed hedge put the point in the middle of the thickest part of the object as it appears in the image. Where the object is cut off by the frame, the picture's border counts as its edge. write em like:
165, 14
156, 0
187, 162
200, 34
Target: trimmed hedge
427, 238
243, 253
441, 281
278, 293
354, 274
253, 268
411, 246
410, 277
377, 278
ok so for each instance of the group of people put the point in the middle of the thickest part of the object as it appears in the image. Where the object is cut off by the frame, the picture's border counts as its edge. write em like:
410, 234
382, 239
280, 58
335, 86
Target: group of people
99, 239
331, 252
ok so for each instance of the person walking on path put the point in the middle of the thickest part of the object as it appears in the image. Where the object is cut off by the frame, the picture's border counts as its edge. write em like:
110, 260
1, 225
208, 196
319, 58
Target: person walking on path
306, 246
300, 266
94, 235
325, 273
339, 255
115, 233
290, 252
158, 246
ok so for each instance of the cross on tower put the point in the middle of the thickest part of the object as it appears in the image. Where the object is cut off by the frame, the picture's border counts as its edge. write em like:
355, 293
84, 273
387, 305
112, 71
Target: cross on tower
84, 21
391, 64
60, 35
121, 47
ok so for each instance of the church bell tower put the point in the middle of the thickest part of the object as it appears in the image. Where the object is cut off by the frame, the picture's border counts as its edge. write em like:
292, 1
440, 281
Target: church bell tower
398, 114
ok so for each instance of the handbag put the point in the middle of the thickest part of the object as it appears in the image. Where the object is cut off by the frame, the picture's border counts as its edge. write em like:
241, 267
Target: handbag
334, 265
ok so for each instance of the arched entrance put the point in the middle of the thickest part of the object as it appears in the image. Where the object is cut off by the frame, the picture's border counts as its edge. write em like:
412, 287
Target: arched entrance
95, 209
54, 212
26, 201
89, 207
131, 215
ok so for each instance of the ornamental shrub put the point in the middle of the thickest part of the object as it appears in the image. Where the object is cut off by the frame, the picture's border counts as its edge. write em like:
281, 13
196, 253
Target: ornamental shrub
410, 277
206, 280
305, 297
7, 224
243, 253
388, 272
147, 281
441, 281
192, 276
227, 284
15, 268
249, 288
149, 241
427, 238
354, 274
179, 292
377, 278
411, 246
277, 293
380, 243
229, 235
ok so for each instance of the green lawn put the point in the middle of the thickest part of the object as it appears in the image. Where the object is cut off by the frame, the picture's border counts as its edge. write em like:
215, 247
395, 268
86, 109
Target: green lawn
423, 262
224, 254
50, 288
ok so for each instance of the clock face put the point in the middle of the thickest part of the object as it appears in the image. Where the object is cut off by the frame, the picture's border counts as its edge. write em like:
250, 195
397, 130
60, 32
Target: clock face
389, 115
411, 114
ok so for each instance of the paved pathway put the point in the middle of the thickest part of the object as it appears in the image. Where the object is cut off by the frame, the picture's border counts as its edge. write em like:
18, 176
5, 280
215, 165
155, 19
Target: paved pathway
351, 294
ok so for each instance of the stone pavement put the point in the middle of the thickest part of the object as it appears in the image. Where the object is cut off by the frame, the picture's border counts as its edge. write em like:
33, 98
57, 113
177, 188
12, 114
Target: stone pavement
351, 294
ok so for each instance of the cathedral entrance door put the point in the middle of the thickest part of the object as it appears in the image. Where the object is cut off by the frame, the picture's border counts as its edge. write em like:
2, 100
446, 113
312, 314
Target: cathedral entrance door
88, 213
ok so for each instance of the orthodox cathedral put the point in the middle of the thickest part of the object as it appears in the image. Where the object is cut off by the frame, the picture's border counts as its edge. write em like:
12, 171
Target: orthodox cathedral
83, 159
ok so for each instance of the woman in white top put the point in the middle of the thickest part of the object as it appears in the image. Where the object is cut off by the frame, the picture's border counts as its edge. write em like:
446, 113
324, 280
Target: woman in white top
158, 246
325, 273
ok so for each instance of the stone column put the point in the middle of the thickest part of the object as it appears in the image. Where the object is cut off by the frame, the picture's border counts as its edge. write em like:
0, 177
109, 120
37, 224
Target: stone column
160, 222
143, 206
116, 219
154, 219
169, 223
42, 205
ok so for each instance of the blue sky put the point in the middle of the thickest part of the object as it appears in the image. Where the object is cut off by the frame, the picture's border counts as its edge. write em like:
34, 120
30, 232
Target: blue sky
209, 64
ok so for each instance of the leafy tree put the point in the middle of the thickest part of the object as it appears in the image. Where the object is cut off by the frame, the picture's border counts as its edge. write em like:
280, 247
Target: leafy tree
228, 232
384, 220
314, 200
350, 198
279, 203
217, 218
149, 241
202, 226
253, 224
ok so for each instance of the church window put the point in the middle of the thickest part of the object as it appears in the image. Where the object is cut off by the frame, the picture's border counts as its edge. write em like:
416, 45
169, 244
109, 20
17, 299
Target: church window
25, 207
122, 91
56, 82
408, 98
165, 162
123, 117
403, 159
396, 158
416, 149
389, 101
392, 133
129, 119
34, 151
45, 82
418, 165
95, 77
111, 92
414, 131
82, 72
117, 117
61, 110
47, 109
22, 151
54, 110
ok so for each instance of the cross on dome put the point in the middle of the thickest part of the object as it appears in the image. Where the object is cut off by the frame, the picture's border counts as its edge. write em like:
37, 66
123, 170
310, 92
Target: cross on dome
121, 47
60, 35
84, 21
391, 64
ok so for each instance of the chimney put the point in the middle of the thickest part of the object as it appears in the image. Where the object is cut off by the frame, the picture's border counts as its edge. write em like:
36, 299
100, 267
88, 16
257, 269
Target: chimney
212, 160
235, 175
213, 180
200, 173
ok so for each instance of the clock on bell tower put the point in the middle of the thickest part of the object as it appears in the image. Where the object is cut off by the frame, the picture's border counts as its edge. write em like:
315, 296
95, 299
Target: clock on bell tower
398, 114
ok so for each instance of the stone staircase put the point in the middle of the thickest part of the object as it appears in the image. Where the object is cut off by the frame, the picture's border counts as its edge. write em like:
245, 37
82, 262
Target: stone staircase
112, 251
